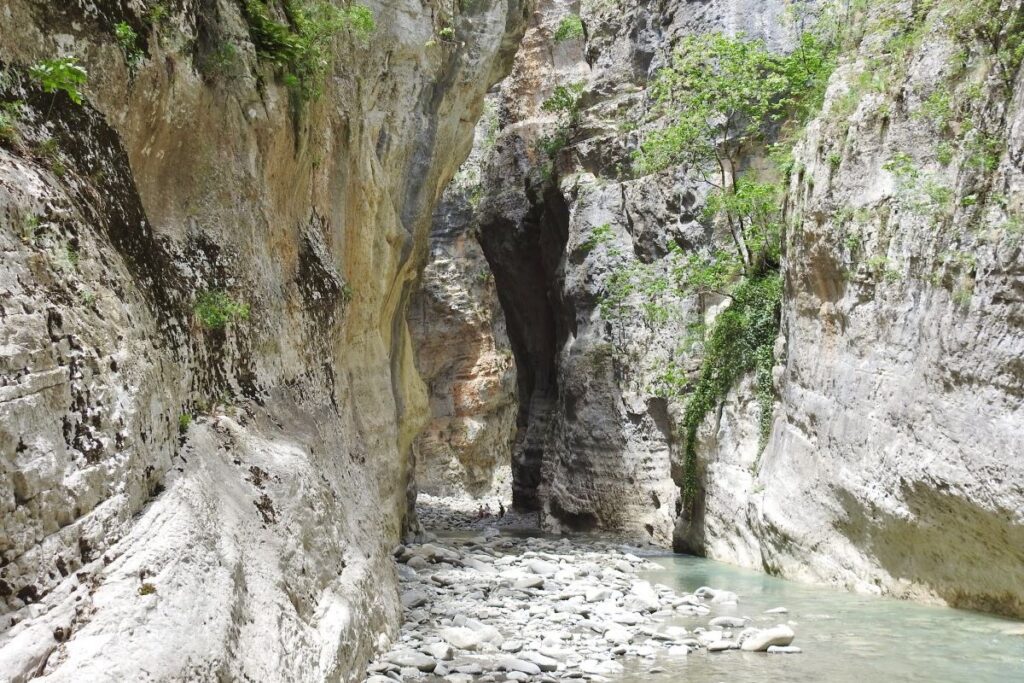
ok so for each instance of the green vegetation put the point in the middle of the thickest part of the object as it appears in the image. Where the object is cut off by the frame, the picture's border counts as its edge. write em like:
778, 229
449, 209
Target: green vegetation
10, 115
128, 39
599, 235
147, 589
346, 293
301, 47
63, 74
224, 61
565, 102
157, 13
184, 421
740, 341
570, 28
215, 309
721, 100
721, 95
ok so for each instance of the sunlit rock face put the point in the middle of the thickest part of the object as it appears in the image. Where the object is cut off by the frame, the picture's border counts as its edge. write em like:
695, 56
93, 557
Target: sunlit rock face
891, 464
208, 394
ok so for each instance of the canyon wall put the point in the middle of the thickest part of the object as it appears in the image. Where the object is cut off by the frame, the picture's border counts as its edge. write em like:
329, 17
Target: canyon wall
559, 219
462, 348
208, 395
892, 462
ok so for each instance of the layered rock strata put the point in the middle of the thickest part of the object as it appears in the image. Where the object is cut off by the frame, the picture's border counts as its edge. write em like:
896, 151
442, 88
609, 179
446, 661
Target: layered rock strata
208, 395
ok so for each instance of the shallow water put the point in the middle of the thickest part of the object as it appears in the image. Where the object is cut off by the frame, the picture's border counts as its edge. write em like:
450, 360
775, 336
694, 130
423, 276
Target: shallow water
844, 636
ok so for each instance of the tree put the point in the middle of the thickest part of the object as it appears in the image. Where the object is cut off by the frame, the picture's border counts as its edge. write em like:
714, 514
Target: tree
719, 99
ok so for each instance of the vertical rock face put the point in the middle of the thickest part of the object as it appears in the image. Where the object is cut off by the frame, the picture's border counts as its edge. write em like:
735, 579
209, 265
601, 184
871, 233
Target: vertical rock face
557, 221
208, 393
893, 464
462, 349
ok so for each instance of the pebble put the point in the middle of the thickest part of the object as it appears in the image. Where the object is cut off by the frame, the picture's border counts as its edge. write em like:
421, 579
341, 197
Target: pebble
784, 650
489, 607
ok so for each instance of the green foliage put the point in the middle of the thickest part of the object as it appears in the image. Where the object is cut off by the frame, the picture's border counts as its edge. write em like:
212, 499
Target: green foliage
184, 421
301, 48
570, 28
552, 144
599, 235
984, 151
995, 27
721, 93
10, 115
63, 74
720, 98
72, 254
147, 589
128, 39
215, 309
158, 13
565, 101
446, 33
224, 61
754, 209
741, 340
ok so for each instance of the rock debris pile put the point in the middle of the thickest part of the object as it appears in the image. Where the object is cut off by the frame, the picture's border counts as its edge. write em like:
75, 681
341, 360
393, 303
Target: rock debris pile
448, 513
493, 608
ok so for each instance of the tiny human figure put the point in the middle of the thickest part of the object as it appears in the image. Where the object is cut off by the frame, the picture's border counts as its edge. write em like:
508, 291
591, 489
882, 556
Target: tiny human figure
480, 512
487, 510
501, 510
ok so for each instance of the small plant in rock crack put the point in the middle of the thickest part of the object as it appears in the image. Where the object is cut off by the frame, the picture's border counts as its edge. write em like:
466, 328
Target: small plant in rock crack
147, 589
128, 39
158, 13
215, 309
61, 75
10, 115
570, 28
565, 101
184, 421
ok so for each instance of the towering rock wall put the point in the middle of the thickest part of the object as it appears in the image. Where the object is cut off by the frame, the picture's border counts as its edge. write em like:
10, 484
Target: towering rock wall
208, 395
560, 219
462, 348
891, 464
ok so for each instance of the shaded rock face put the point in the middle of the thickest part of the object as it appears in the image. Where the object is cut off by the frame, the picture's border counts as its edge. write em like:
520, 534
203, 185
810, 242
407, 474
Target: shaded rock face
595, 444
462, 352
219, 495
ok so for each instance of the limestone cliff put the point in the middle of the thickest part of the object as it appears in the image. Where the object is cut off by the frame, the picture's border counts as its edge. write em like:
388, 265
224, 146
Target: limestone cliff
560, 219
891, 465
208, 394
462, 349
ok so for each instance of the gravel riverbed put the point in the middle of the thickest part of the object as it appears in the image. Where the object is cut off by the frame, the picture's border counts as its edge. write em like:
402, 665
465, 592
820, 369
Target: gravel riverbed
500, 608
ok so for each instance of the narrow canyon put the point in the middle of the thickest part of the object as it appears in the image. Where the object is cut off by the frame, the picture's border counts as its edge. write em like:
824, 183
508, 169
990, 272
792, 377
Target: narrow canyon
511, 340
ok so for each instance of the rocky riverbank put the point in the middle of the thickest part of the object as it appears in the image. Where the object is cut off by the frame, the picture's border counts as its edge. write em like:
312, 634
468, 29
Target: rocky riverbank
495, 608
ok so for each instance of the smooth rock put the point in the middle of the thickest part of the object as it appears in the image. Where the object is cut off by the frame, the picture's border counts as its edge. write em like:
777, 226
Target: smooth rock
761, 640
